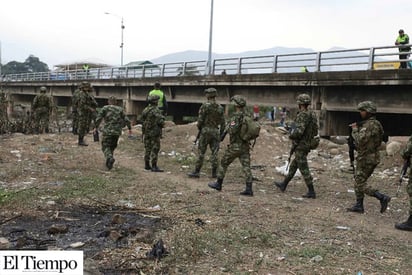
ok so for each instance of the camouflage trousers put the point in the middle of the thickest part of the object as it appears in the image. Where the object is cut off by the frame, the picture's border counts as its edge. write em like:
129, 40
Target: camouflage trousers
409, 191
151, 149
300, 161
231, 153
211, 139
41, 121
109, 144
364, 169
83, 125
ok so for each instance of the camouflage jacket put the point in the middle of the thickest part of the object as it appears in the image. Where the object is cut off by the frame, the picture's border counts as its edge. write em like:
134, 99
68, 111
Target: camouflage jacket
211, 116
114, 120
86, 102
233, 128
304, 129
407, 152
368, 138
153, 121
75, 100
42, 102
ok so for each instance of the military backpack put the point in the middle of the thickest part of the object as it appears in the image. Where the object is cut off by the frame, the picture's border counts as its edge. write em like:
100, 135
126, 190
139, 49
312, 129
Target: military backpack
250, 129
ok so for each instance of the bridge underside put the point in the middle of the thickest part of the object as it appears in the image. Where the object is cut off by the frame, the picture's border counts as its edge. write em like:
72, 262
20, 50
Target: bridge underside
335, 95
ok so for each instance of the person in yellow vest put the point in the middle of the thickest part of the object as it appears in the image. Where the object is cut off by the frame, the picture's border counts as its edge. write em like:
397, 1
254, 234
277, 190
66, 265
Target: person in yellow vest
403, 39
162, 103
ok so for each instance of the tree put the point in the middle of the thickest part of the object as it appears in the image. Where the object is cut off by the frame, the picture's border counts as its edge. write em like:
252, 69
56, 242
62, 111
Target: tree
30, 65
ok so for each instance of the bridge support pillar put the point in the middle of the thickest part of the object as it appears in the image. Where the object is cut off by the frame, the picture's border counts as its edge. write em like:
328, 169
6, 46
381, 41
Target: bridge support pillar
133, 109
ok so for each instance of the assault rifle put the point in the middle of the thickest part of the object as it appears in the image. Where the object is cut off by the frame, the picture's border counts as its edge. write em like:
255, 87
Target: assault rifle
292, 151
196, 140
197, 137
222, 136
352, 146
405, 166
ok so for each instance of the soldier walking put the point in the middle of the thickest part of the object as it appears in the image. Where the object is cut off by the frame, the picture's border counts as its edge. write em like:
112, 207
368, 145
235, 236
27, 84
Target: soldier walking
75, 114
211, 124
406, 155
368, 138
85, 106
4, 121
153, 122
301, 135
114, 120
237, 148
41, 109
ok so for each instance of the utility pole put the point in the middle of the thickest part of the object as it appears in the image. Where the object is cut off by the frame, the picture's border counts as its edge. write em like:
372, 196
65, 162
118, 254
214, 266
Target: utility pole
121, 35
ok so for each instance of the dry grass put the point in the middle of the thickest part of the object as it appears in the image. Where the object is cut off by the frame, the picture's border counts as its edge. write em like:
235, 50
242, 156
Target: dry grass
210, 232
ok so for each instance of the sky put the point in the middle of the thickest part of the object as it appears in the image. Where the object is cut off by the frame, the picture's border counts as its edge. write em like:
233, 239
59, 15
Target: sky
61, 32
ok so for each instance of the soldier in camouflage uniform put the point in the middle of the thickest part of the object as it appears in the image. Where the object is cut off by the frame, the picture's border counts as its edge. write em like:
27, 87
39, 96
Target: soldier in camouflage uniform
237, 148
114, 120
406, 155
301, 136
4, 121
86, 106
368, 138
41, 109
153, 122
211, 124
75, 114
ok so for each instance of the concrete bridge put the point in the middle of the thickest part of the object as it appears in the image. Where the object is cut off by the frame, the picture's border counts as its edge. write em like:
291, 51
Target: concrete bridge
334, 94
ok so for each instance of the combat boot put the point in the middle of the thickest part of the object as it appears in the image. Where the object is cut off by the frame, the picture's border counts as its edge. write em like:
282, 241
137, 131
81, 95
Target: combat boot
214, 173
282, 185
147, 165
358, 207
194, 174
248, 191
407, 226
109, 163
81, 141
311, 192
216, 185
384, 200
155, 168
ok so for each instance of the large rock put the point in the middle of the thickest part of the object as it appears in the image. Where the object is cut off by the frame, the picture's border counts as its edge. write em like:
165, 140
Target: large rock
393, 147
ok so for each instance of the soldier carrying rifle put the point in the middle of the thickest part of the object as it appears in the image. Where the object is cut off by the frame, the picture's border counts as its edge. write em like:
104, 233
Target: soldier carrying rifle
211, 124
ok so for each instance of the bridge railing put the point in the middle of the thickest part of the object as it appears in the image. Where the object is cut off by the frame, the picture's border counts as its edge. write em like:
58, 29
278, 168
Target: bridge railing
385, 57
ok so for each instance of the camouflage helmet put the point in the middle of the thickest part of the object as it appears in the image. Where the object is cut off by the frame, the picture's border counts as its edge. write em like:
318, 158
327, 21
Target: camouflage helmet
153, 98
43, 89
210, 92
238, 100
85, 84
303, 99
367, 106
112, 99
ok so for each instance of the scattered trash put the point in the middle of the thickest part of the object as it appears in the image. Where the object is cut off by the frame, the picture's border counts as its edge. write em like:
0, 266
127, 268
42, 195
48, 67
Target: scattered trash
342, 227
317, 259
77, 245
158, 251
284, 170
199, 222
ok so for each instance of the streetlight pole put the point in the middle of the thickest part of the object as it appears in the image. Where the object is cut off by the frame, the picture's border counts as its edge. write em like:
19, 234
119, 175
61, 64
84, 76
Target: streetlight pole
209, 56
121, 36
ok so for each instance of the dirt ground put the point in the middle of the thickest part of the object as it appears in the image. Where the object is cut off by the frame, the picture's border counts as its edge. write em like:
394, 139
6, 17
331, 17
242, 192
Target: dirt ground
116, 216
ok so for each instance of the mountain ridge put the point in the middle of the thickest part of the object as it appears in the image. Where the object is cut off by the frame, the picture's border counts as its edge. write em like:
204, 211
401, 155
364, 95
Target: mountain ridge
195, 55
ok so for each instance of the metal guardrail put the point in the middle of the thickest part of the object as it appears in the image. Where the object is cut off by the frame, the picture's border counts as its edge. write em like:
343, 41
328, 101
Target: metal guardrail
336, 60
